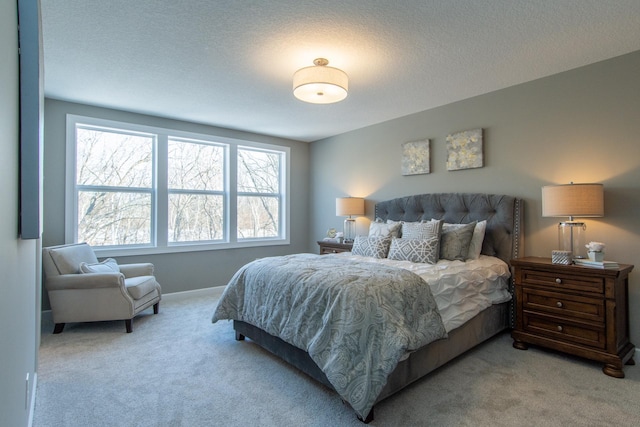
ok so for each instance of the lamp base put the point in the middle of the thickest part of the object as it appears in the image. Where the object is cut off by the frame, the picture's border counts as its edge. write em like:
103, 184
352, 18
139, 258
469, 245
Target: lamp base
349, 230
571, 237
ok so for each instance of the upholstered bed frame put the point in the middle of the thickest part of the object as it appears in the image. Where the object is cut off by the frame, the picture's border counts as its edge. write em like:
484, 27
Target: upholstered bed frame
503, 239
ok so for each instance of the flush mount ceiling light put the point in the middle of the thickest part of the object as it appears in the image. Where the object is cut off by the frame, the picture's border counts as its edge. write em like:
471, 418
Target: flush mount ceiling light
320, 84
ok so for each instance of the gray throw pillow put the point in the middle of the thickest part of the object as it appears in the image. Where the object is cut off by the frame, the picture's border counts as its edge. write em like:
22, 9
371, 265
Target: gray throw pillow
455, 240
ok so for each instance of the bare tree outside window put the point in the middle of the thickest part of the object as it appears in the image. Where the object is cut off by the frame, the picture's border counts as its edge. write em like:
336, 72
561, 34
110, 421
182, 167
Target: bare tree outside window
145, 188
114, 175
196, 190
258, 193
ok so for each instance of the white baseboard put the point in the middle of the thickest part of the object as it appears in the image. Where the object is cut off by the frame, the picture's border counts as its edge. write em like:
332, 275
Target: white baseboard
32, 406
216, 291
204, 292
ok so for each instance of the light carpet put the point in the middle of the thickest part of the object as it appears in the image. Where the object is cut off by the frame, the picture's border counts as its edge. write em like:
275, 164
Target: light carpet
179, 369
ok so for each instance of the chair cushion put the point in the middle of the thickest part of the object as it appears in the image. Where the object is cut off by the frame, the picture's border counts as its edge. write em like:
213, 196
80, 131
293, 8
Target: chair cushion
109, 265
140, 286
67, 259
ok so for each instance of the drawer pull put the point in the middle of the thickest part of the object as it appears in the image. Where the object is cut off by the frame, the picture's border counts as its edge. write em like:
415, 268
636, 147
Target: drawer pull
558, 280
559, 328
559, 304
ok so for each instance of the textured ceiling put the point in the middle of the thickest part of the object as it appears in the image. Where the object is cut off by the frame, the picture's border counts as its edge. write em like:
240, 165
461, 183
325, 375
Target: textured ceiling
230, 63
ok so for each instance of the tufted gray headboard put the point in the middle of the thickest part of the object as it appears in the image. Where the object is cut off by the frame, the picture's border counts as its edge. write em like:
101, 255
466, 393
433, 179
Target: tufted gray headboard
503, 237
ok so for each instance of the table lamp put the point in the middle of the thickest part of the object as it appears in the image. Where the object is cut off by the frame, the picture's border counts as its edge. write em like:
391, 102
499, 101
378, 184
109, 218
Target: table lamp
348, 206
572, 200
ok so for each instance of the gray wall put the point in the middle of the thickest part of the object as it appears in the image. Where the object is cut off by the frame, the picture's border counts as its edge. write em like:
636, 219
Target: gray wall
582, 126
19, 295
178, 271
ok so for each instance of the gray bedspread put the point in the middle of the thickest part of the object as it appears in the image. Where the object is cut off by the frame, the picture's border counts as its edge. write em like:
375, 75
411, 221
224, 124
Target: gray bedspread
355, 319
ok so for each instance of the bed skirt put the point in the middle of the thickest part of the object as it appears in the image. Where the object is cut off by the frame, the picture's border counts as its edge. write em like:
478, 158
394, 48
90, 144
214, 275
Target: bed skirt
419, 363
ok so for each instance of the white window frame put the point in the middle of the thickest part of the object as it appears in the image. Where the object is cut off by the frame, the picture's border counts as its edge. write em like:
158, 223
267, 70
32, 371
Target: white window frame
160, 191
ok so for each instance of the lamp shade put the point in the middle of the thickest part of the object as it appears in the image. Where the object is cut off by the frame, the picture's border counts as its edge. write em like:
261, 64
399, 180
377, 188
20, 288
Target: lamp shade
320, 84
573, 200
347, 206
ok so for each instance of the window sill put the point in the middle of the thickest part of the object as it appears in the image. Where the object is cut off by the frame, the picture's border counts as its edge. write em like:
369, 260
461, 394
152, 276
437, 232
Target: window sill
114, 252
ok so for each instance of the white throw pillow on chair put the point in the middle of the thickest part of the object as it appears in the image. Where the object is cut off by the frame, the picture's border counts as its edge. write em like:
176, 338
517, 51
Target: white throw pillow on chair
109, 265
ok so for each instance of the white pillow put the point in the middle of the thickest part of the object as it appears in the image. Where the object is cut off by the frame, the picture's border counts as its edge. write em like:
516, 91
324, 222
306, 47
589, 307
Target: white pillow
475, 247
109, 265
380, 229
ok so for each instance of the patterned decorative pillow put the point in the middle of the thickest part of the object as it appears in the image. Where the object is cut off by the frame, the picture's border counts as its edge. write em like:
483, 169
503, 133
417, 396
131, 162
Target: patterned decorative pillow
455, 240
109, 265
475, 247
421, 230
415, 250
376, 247
381, 229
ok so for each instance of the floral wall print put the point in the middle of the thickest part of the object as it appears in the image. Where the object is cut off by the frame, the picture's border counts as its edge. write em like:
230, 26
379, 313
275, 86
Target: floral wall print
415, 157
464, 150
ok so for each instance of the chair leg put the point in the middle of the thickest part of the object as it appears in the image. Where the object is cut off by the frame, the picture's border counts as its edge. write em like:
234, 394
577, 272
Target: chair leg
58, 328
129, 325
156, 308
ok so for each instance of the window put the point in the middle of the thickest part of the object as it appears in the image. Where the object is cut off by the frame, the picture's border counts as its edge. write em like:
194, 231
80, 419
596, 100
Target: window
137, 189
258, 193
196, 191
114, 184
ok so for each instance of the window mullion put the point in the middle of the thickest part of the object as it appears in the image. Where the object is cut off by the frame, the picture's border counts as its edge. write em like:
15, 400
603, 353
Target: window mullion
71, 193
285, 206
162, 194
232, 200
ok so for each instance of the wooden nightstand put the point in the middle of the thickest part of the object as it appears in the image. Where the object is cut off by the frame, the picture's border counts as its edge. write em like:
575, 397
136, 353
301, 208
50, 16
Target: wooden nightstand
578, 310
333, 248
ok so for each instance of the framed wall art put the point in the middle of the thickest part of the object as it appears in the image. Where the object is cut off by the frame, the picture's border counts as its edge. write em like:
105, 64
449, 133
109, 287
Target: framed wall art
415, 157
464, 150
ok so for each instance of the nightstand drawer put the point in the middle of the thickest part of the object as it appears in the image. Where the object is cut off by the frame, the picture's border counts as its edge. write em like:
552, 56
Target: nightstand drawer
568, 306
592, 335
333, 247
563, 281
329, 250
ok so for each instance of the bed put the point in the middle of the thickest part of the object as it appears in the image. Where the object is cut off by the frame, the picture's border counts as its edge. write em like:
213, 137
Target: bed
502, 241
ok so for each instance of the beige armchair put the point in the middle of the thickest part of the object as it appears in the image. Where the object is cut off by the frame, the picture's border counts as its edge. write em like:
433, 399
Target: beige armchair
81, 289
